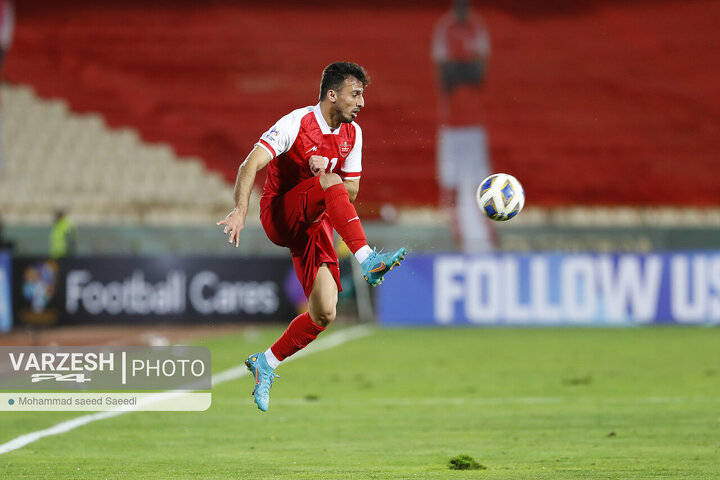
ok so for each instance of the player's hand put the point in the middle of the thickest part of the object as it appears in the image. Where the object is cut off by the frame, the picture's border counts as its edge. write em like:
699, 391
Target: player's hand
234, 223
318, 165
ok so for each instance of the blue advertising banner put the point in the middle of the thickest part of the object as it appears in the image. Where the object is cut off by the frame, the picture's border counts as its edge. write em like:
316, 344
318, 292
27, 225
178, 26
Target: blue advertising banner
553, 289
5, 293
124, 290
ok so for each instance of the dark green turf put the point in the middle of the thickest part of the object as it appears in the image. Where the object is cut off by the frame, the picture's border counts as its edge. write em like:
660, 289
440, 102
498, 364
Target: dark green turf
525, 403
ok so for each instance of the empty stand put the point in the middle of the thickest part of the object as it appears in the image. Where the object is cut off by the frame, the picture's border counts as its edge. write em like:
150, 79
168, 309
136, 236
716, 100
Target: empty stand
611, 103
55, 158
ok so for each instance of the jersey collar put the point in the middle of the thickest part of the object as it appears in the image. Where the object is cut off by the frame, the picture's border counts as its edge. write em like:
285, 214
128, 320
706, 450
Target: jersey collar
324, 127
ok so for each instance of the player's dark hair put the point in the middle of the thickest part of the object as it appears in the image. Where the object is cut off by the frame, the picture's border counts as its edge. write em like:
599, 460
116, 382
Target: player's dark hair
336, 73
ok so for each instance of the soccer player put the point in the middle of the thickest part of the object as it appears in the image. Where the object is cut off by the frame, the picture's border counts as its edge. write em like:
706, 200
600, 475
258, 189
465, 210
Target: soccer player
313, 156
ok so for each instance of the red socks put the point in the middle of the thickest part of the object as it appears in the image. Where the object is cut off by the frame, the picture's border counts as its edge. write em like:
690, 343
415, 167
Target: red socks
301, 331
344, 218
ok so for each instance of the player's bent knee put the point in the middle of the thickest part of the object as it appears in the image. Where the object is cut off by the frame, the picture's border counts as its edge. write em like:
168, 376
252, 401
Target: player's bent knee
326, 318
323, 316
327, 180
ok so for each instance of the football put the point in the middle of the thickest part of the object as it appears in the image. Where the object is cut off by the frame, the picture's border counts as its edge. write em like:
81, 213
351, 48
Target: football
501, 197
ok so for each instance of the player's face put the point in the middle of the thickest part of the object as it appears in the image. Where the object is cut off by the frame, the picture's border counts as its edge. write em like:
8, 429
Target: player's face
350, 100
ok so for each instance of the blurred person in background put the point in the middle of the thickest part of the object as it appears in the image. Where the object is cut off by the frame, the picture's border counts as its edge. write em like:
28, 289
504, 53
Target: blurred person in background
314, 160
461, 52
7, 26
63, 237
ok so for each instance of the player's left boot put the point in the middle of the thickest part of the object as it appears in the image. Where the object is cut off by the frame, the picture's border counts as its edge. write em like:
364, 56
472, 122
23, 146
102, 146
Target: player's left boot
378, 264
264, 378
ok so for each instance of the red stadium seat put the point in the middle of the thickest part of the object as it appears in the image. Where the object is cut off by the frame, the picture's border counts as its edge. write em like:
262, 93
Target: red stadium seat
611, 105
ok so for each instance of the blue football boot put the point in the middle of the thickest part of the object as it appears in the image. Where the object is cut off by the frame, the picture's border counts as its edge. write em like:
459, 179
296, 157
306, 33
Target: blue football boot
264, 378
378, 264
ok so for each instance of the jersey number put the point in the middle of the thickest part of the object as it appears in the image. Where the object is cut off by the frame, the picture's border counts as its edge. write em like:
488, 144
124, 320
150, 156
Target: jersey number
332, 162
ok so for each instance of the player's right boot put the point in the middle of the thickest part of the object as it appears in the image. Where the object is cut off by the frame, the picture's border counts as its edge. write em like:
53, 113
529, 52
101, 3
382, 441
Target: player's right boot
378, 264
264, 378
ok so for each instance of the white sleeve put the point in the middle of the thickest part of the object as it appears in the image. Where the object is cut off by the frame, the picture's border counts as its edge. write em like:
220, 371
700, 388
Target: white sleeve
7, 27
481, 42
282, 135
353, 163
439, 50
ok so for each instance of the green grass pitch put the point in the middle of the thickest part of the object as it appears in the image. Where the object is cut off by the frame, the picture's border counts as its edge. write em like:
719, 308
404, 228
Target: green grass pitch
638, 403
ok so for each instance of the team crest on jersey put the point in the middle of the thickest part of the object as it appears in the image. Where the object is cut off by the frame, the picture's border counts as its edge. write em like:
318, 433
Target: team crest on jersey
345, 148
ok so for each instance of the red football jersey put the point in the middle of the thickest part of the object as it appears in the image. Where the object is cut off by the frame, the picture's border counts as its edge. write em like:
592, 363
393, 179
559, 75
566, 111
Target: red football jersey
460, 42
299, 135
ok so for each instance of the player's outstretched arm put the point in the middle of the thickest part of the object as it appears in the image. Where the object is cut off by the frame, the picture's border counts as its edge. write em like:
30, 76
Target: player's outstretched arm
234, 222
